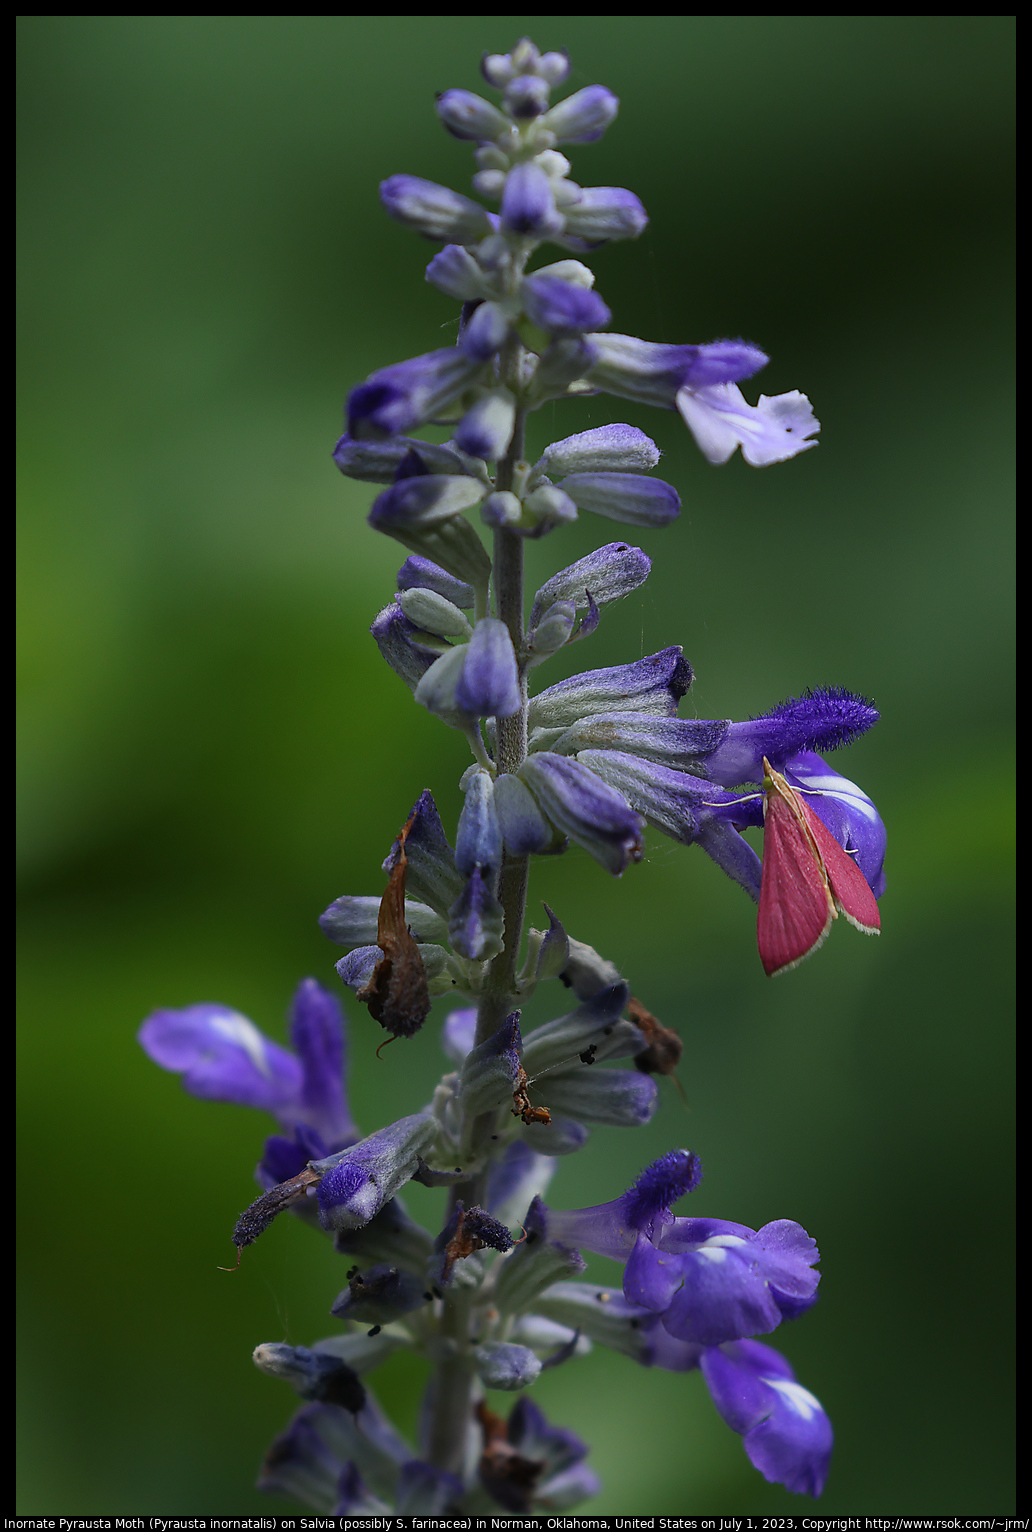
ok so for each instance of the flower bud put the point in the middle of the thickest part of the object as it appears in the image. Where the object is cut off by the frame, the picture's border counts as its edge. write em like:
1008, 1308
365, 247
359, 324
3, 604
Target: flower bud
608, 574
523, 826
586, 973
563, 308
436, 211
527, 97
424, 501
501, 1364
485, 332
547, 507
352, 921
502, 509
552, 631
489, 685
313, 1374
431, 874
605, 212
466, 115
606, 449
358, 1181
489, 1072
455, 271
406, 650
593, 1027
476, 921
421, 574
535, 1264
434, 614
626, 497
580, 805
377, 462
655, 684
399, 398
485, 430
568, 271
564, 362
380, 1295
528, 203
583, 117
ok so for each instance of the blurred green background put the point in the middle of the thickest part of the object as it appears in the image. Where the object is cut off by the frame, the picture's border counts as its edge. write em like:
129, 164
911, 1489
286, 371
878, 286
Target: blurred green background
212, 749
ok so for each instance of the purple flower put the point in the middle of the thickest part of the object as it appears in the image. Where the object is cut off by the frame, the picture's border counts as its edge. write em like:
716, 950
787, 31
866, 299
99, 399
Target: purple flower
786, 1433
667, 769
224, 1057
710, 1281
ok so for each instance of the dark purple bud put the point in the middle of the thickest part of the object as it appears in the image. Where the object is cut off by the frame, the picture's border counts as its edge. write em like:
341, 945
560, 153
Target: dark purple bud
527, 97
490, 685
723, 361
431, 874
400, 397
583, 807
563, 308
528, 204
380, 1295
398, 640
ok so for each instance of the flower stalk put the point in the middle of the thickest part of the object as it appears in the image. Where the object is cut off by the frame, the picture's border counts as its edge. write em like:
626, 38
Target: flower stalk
598, 760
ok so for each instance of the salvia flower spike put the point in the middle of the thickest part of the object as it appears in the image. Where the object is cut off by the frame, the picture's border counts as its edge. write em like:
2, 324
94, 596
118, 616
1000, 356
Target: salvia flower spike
600, 761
